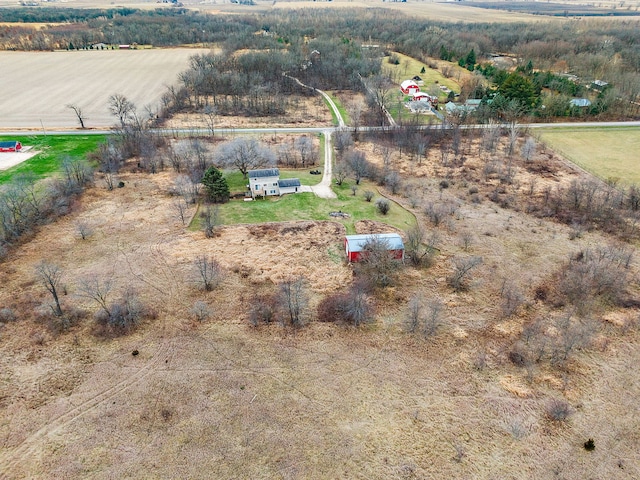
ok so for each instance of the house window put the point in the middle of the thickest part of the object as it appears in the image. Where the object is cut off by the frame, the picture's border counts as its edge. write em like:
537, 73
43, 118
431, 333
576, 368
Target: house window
275, 184
273, 192
257, 187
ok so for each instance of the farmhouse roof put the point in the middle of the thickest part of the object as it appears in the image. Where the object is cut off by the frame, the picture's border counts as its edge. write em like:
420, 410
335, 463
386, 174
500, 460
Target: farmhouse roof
408, 83
358, 242
289, 182
265, 172
417, 78
580, 102
8, 144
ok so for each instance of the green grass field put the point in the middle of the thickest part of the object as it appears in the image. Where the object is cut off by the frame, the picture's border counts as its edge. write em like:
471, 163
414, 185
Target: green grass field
53, 150
306, 206
610, 153
410, 67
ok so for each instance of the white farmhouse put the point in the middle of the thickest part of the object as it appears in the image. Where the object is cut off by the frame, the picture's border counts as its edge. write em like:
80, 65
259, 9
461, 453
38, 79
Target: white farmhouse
266, 182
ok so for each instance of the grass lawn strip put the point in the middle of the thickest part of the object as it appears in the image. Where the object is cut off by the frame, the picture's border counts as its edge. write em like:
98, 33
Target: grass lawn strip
606, 152
53, 151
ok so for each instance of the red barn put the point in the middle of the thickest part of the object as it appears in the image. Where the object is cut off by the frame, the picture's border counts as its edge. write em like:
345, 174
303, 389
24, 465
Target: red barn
356, 245
409, 86
11, 146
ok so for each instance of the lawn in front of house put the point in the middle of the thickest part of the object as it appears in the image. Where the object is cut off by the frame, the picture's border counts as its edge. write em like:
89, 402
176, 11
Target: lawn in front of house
608, 152
306, 206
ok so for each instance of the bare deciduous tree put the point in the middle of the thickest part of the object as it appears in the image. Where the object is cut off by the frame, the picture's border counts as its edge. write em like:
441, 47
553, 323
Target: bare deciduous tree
293, 301
180, 207
244, 154
121, 108
340, 173
98, 289
210, 220
50, 275
304, 146
79, 114
358, 164
528, 149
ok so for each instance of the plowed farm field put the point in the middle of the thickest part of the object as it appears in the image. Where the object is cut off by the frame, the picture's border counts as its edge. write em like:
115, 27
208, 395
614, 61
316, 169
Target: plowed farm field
37, 86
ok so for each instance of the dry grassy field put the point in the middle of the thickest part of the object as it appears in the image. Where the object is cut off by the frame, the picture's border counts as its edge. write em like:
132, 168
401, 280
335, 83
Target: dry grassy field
221, 399
39, 85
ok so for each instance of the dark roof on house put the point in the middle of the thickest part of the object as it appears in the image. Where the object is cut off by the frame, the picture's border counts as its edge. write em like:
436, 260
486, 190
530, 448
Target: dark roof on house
11, 143
266, 172
289, 182
417, 78
358, 242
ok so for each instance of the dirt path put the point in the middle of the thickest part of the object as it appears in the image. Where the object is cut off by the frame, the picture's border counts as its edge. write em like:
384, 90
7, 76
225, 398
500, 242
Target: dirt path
323, 189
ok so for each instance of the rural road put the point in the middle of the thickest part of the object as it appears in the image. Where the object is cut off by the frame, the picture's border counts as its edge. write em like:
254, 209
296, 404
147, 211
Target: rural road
267, 130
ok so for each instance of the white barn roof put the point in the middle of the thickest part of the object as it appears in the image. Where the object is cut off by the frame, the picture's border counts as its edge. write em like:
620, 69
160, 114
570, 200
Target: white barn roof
357, 242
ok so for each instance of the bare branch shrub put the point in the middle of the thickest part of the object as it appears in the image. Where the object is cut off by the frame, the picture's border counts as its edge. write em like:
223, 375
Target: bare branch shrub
558, 410
462, 267
122, 316
599, 275
383, 205
368, 195
208, 272
433, 318
353, 307
377, 266
201, 311
512, 298
262, 309
84, 229
415, 250
7, 315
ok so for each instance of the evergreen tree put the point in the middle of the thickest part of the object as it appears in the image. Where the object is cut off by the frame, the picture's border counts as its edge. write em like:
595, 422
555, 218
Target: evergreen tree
470, 60
517, 87
216, 185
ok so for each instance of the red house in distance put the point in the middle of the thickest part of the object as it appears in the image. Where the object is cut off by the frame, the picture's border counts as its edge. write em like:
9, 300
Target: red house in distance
11, 146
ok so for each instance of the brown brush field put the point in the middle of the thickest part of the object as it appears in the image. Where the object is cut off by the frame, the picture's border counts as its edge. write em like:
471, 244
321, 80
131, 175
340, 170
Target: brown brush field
39, 85
221, 399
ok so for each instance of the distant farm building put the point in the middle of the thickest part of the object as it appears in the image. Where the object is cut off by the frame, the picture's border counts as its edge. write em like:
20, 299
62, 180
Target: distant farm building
266, 182
580, 102
356, 245
11, 146
409, 86
421, 96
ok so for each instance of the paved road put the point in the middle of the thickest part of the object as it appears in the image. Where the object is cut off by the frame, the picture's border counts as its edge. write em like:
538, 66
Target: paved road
239, 131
